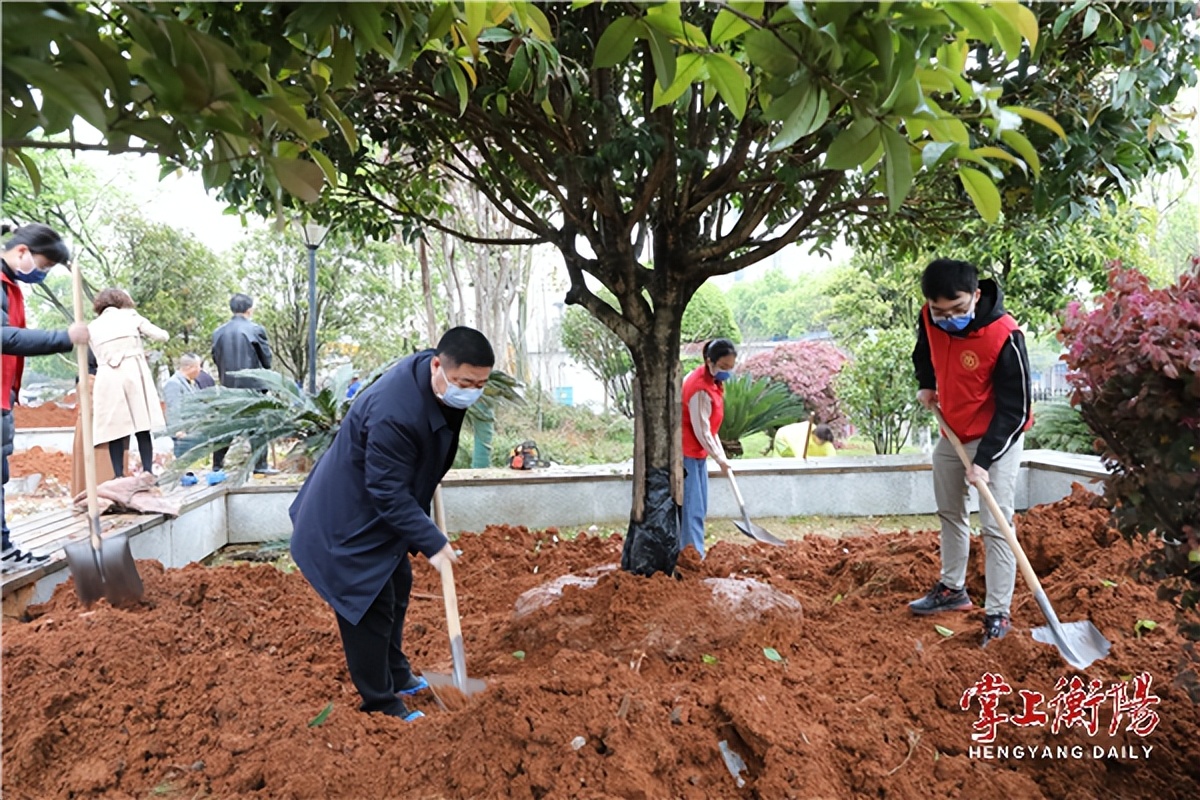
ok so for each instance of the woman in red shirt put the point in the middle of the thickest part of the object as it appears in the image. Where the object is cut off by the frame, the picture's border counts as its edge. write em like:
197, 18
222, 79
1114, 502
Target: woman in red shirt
703, 410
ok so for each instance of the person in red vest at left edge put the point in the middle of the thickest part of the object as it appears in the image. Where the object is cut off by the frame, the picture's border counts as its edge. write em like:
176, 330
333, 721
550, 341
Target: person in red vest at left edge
28, 255
703, 410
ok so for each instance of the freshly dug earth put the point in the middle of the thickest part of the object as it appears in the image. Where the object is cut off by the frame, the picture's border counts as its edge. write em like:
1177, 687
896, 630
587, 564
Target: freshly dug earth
47, 415
48, 463
214, 685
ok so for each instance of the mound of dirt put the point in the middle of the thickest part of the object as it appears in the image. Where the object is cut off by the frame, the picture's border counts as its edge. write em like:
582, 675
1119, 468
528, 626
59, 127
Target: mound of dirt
48, 463
606, 686
47, 415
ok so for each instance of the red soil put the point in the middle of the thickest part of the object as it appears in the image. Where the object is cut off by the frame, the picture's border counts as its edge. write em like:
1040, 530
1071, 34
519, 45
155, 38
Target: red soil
209, 686
50, 463
47, 415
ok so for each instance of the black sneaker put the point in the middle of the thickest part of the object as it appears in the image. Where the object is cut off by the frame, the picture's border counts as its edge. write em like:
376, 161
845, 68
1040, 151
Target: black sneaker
14, 560
941, 598
414, 684
995, 626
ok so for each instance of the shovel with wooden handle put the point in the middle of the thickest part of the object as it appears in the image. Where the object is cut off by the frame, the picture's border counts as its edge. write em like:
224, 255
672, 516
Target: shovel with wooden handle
1080, 643
458, 653
756, 532
101, 567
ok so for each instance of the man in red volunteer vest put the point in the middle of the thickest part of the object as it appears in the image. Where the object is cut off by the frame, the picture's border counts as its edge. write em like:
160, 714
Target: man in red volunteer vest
28, 256
971, 363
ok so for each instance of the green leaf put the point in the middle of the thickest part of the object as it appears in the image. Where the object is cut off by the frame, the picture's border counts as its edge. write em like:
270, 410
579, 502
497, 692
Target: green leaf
933, 153
768, 53
1040, 117
943, 631
809, 114
1091, 20
319, 718
851, 147
476, 19
730, 79
897, 166
302, 179
972, 17
1106, 583
772, 654
519, 655
691, 70
662, 55
342, 121
1009, 37
65, 89
1021, 18
996, 152
707, 659
460, 86
331, 174
837, 598
982, 191
728, 25
1194, 556
538, 24
616, 43
35, 177
1024, 149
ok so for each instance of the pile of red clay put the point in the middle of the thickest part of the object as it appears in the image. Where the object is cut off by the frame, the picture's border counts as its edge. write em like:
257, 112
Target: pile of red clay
47, 415
47, 463
614, 685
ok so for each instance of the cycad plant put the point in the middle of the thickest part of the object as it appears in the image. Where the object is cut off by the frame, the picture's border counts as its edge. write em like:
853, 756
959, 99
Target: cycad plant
1057, 425
753, 405
283, 412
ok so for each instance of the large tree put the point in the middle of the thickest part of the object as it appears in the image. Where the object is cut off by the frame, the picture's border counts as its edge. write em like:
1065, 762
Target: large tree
654, 146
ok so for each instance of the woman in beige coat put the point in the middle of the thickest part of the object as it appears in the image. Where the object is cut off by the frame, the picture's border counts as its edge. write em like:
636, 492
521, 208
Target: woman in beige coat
125, 399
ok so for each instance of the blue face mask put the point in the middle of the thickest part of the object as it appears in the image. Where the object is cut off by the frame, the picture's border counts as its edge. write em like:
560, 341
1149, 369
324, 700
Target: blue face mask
723, 375
955, 324
37, 276
457, 396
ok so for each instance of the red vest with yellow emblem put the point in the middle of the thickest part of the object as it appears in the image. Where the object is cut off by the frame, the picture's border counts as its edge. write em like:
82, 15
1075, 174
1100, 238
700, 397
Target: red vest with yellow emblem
701, 380
963, 366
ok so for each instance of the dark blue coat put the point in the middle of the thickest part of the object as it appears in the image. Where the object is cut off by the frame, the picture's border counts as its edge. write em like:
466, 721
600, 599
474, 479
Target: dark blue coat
366, 504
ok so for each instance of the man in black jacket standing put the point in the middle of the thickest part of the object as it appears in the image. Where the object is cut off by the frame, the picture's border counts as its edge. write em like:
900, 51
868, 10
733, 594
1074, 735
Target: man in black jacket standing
28, 256
365, 507
240, 344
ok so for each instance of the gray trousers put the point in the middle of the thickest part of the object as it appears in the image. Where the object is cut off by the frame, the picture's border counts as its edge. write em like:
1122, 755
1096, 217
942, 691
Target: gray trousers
949, 489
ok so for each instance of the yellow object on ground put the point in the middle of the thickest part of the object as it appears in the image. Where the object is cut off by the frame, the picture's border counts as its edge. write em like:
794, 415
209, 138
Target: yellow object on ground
789, 442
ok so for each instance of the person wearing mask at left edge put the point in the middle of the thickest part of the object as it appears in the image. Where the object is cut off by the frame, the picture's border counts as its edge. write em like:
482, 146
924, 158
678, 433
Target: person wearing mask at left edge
365, 507
28, 256
703, 410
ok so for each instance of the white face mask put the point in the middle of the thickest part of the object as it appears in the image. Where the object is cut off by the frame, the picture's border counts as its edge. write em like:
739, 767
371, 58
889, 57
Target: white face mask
457, 396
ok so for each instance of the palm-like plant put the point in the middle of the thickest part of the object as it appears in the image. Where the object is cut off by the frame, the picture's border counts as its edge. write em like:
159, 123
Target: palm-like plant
282, 411
753, 405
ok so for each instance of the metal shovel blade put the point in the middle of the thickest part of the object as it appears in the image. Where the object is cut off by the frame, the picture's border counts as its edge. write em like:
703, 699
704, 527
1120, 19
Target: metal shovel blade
440, 679
758, 533
108, 572
1080, 643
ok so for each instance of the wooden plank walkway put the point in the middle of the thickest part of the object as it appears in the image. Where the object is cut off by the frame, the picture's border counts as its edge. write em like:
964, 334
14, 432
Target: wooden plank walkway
48, 532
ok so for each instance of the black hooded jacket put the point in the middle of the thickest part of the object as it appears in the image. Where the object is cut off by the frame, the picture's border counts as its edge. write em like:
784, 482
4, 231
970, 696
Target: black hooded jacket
1010, 380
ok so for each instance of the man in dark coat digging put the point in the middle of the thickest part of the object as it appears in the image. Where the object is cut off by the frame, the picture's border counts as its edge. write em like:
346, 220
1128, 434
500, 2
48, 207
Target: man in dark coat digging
365, 507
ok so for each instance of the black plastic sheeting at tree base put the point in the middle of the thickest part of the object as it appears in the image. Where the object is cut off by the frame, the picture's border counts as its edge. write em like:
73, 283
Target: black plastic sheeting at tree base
652, 545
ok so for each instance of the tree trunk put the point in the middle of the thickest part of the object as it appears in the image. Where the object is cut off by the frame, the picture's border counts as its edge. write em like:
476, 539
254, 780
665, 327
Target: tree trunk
427, 288
652, 541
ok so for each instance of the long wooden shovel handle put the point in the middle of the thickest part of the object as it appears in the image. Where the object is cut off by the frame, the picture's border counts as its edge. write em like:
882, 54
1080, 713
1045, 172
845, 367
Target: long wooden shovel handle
1023, 564
450, 596
84, 392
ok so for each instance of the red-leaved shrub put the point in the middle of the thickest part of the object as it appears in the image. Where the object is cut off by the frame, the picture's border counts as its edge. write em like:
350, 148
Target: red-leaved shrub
1135, 361
808, 369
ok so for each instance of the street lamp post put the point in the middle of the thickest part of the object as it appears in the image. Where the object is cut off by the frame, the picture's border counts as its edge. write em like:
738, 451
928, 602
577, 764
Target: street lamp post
314, 234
